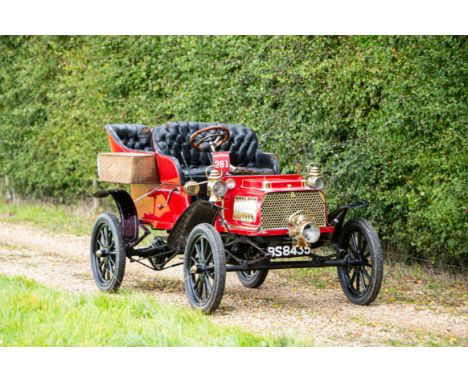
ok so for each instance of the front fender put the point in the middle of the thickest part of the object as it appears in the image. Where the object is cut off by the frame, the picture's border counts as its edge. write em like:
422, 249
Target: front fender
198, 212
336, 217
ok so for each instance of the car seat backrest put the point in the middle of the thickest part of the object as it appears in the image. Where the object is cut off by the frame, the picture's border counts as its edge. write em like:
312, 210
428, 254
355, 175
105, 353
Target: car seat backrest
132, 136
172, 139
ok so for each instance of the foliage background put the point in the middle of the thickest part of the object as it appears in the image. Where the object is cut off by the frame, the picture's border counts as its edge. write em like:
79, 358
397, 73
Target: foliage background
386, 115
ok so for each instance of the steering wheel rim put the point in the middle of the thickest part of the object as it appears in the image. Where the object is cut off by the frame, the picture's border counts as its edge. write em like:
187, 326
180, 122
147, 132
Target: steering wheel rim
214, 140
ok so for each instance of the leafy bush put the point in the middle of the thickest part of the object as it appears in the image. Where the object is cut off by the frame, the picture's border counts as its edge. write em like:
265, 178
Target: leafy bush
386, 115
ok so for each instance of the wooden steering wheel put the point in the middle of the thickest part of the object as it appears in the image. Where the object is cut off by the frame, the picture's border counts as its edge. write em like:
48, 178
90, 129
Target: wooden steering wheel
219, 136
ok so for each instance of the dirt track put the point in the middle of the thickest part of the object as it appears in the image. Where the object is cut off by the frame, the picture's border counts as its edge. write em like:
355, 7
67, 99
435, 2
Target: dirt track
282, 305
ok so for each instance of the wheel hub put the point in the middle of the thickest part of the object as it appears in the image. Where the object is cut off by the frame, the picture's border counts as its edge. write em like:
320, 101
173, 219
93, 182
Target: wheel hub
199, 268
102, 253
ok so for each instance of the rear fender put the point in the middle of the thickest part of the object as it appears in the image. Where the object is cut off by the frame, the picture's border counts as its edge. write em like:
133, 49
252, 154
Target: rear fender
128, 213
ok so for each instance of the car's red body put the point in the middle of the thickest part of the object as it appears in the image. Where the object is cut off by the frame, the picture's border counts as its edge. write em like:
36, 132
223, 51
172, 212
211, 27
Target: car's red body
163, 214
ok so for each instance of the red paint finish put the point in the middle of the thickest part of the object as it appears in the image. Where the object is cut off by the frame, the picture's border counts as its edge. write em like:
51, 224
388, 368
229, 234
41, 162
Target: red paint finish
167, 169
169, 203
170, 200
258, 186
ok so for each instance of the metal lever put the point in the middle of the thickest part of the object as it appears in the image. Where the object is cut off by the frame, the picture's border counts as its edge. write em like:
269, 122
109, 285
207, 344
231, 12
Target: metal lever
169, 198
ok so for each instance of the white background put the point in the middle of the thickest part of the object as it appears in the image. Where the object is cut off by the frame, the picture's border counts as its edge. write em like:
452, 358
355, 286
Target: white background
233, 17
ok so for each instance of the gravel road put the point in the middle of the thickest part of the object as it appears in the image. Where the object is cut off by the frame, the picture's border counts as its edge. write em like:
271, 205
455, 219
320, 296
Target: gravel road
283, 305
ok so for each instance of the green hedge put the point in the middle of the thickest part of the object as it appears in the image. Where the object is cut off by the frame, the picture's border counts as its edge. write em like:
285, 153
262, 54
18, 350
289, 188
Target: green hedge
386, 115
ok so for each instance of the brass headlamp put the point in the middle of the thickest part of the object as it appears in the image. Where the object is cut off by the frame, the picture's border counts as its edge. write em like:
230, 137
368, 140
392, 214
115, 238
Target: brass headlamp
216, 187
192, 188
316, 179
303, 229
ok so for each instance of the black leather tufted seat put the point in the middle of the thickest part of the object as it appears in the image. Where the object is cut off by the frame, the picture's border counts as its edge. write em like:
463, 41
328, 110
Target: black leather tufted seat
132, 136
173, 139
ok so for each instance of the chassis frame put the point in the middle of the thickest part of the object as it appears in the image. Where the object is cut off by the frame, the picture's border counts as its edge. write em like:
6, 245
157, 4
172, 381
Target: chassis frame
165, 254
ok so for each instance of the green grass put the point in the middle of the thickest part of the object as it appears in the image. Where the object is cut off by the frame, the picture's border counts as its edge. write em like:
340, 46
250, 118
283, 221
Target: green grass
34, 315
60, 218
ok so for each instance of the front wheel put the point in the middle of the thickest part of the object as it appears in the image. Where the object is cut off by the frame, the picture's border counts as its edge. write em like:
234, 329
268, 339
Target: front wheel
204, 268
107, 253
361, 283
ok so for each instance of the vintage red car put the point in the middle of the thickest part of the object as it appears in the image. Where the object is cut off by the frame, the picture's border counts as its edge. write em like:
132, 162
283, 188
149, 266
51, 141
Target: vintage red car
225, 206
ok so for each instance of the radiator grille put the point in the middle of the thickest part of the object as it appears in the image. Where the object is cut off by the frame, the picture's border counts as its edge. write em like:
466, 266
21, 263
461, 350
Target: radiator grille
278, 206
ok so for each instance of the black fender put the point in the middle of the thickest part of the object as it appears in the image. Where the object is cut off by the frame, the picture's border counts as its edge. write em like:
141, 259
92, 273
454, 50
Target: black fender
336, 217
198, 212
128, 213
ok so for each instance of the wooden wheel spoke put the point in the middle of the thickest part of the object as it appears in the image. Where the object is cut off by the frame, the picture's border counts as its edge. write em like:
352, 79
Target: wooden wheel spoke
364, 246
208, 286
100, 244
368, 276
104, 271
363, 282
107, 270
209, 257
207, 250
102, 239
358, 241
202, 248
200, 286
111, 264
105, 235
354, 244
101, 265
353, 277
210, 274
204, 290
198, 251
196, 282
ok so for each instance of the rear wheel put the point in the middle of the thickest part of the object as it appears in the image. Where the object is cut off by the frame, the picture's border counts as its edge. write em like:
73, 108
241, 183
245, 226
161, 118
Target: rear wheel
204, 268
107, 253
361, 283
252, 279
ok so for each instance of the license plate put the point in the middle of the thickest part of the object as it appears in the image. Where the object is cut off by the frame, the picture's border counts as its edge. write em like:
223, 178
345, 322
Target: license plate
288, 251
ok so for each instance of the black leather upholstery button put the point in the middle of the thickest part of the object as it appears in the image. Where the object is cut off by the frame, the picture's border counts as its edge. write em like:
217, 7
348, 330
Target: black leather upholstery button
132, 136
172, 139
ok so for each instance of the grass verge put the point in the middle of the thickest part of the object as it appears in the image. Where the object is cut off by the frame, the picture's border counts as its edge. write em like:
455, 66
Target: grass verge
35, 315
58, 218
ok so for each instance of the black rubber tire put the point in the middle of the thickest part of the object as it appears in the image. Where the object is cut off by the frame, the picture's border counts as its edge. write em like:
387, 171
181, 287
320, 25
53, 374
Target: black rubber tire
254, 280
102, 266
361, 228
205, 234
